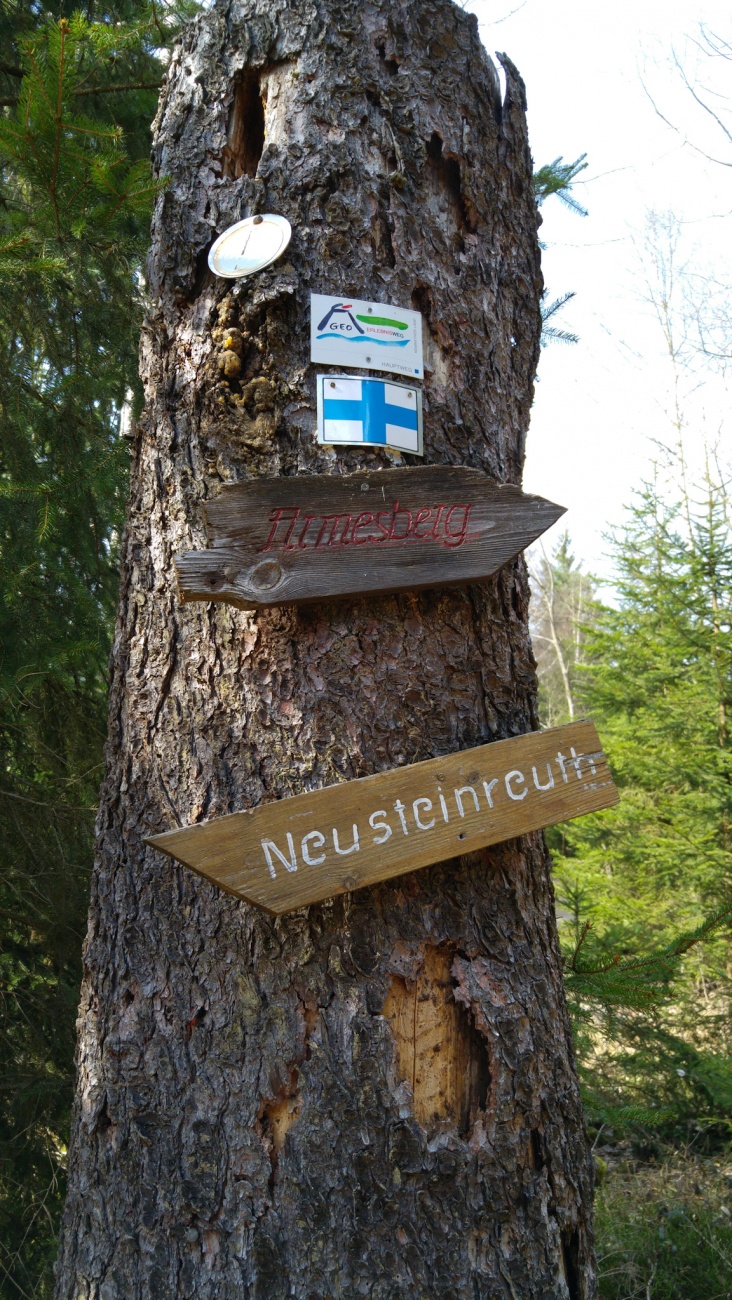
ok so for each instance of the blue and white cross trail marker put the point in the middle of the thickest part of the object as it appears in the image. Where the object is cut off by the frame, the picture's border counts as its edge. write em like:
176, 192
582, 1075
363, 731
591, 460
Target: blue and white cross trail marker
357, 411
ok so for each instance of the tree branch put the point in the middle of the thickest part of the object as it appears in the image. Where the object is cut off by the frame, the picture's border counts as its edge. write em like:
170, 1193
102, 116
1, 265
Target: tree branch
111, 90
96, 90
699, 99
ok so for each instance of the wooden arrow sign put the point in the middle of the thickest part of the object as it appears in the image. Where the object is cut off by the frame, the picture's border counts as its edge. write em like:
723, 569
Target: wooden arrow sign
278, 541
296, 851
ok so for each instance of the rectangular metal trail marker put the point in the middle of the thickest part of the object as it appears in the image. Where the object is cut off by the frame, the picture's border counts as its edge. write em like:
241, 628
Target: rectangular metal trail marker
297, 851
367, 335
280, 541
369, 412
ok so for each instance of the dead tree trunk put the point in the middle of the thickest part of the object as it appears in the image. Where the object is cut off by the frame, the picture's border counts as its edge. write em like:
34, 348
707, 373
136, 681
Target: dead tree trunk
375, 1096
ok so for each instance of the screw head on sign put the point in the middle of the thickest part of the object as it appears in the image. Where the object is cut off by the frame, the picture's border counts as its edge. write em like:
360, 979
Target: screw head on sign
332, 384
368, 358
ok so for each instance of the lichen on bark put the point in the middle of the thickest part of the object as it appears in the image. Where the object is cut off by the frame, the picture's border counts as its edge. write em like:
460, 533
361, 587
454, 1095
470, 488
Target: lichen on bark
245, 1125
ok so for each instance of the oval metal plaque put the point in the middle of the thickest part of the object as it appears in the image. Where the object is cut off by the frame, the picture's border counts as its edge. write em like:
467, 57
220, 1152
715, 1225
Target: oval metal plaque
249, 246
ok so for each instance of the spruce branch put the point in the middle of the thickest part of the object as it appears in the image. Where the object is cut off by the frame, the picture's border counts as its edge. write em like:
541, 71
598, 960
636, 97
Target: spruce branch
635, 981
63, 29
558, 177
571, 964
114, 90
123, 87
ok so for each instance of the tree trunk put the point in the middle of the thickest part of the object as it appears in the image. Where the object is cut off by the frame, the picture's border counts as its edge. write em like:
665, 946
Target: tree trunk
374, 1096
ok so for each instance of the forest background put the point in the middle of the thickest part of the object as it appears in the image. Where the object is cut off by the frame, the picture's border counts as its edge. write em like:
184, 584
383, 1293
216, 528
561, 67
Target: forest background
642, 890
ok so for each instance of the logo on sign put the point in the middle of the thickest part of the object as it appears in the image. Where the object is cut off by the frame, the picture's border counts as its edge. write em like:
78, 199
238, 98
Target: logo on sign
346, 331
340, 322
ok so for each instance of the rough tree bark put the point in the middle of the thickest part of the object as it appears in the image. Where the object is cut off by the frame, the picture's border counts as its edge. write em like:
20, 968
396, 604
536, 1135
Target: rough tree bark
375, 1096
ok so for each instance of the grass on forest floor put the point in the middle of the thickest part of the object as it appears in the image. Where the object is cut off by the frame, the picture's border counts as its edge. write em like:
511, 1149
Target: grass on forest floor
664, 1231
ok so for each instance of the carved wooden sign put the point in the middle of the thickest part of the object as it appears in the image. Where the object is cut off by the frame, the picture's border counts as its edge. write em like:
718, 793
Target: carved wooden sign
278, 541
297, 851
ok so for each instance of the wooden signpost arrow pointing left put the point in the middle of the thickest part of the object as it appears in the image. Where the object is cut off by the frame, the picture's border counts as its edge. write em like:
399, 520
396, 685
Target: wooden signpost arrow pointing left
279, 541
296, 851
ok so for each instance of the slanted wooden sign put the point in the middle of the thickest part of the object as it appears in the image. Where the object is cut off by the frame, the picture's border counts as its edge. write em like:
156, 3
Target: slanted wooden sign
278, 541
301, 850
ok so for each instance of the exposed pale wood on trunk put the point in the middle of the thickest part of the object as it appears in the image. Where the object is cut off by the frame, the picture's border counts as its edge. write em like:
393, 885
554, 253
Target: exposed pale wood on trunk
439, 1053
407, 179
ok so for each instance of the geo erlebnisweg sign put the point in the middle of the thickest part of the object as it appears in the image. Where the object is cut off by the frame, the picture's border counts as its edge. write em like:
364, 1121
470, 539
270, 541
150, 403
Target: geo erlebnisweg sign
368, 335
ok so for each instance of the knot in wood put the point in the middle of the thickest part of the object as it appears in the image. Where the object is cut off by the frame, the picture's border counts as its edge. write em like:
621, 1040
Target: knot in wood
266, 575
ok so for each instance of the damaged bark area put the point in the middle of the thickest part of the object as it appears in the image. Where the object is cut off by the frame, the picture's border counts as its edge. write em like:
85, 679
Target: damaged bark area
374, 1096
245, 132
444, 173
278, 1117
439, 1052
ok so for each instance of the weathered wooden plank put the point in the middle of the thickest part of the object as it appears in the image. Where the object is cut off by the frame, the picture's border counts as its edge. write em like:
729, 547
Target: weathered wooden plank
277, 541
301, 850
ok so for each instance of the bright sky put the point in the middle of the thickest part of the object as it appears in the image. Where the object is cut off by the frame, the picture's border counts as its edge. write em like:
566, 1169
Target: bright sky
603, 404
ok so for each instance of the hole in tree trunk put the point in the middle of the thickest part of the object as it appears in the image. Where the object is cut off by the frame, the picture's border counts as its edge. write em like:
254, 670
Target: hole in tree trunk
444, 173
440, 1053
104, 1121
381, 239
203, 273
245, 134
570, 1256
423, 301
391, 65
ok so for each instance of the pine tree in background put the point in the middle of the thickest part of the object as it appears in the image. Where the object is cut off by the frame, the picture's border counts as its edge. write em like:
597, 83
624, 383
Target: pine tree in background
558, 178
78, 95
658, 682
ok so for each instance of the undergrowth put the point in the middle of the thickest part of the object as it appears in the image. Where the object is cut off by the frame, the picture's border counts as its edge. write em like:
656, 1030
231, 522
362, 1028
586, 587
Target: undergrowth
664, 1231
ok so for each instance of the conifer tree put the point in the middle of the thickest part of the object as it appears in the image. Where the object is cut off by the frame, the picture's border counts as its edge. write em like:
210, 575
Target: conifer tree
247, 1121
658, 682
73, 229
77, 97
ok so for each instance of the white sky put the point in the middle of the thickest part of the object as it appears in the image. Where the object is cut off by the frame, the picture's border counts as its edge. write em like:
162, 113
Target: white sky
602, 404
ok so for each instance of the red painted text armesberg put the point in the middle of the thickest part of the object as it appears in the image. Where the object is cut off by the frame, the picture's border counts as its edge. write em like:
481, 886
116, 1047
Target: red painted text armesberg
294, 529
